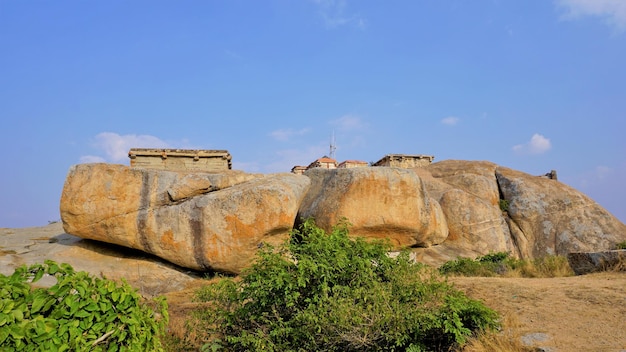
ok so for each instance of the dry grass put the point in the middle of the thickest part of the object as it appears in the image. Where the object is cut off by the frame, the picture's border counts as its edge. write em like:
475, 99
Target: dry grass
182, 330
546, 267
508, 339
619, 265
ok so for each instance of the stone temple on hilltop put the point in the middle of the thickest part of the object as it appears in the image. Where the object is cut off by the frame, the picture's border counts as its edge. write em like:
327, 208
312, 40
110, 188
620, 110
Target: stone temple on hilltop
180, 159
405, 161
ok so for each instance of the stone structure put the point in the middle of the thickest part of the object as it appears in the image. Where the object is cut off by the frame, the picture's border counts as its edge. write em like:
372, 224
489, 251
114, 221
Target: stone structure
550, 175
348, 164
405, 160
590, 262
180, 159
298, 170
323, 162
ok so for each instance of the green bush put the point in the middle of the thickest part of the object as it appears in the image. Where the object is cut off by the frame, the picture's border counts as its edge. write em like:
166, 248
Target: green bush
621, 245
327, 292
502, 264
78, 313
489, 265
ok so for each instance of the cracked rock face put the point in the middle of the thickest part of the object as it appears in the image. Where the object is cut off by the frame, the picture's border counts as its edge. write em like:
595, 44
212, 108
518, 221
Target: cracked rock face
201, 221
554, 218
217, 221
544, 216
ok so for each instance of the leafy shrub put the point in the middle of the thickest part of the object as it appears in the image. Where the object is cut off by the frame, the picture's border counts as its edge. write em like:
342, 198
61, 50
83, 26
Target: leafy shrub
78, 313
502, 264
327, 292
621, 245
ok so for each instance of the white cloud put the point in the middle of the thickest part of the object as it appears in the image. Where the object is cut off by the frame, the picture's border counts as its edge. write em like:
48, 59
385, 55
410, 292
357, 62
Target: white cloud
286, 134
603, 172
116, 147
598, 174
613, 11
88, 159
538, 144
450, 121
333, 12
349, 123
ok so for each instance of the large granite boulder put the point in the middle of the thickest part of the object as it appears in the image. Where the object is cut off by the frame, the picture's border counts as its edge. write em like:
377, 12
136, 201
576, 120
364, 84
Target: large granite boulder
217, 221
379, 202
201, 221
548, 217
474, 177
489, 208
468, 194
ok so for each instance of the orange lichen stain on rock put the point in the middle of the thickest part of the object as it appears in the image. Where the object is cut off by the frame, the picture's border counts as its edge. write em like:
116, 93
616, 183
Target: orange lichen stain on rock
240, 230
167, 241
214, 248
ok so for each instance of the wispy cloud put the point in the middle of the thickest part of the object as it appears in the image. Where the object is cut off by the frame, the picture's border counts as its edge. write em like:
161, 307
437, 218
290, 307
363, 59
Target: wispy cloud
334, 14
538, 144
604, 184
450, 121
286, 134
349, 122
88, 159
115, 147
612, 11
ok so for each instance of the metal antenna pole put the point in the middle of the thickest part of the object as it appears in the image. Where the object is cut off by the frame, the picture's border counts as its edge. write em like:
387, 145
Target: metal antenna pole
332, 146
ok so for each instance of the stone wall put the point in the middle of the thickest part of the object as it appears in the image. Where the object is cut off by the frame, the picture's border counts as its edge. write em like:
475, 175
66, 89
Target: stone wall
405, 161
180, 159
348, 164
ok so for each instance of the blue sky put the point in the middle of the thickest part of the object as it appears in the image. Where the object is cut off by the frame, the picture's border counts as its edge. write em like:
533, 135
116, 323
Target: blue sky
530, 85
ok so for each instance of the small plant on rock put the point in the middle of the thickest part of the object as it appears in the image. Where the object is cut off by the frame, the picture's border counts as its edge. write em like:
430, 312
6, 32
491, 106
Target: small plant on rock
504, 205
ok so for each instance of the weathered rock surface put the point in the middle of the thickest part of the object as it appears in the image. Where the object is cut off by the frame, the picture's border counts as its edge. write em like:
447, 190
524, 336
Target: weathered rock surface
217, 221
590, 262
548, 217
202, 221
544, 216
379, 202
474, 177
469, 197
33, 245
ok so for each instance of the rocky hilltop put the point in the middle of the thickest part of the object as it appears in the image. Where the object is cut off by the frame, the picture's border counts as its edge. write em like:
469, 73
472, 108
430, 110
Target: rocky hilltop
217, 221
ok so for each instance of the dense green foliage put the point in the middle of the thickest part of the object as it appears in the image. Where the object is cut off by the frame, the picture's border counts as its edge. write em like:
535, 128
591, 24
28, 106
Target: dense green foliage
327, 292
502, 264
621, 245
78, 313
